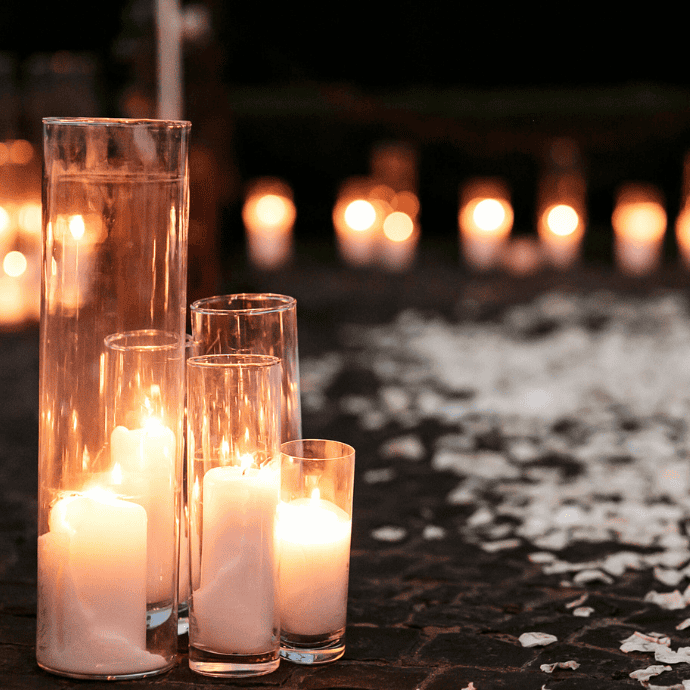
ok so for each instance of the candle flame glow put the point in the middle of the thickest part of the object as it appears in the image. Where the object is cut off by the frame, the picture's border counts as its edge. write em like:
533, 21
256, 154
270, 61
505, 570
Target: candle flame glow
360, 215
643, 221
398, 226
489, 214
271, 209
562, 220
14, 264
4, 219
77, 227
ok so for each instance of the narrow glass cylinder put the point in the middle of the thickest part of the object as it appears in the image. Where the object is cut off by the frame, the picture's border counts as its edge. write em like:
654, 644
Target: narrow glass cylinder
115, 217
233, 456
255, 323
314, 530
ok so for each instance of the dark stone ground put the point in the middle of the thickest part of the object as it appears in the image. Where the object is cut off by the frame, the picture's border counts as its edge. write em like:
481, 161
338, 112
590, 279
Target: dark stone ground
424, 614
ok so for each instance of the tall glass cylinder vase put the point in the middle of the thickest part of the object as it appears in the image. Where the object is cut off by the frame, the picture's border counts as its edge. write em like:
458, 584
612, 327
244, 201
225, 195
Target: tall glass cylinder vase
112, 354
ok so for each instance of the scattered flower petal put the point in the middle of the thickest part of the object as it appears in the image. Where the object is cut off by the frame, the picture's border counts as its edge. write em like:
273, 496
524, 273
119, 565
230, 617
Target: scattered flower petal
583, 611
536, 639
388, 533
641, 642
493, 546
670, 601
669, 656
549, 668
645, 674
585, 576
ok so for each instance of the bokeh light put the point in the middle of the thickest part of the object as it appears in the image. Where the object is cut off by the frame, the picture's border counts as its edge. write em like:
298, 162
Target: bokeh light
489, 215
14, 264
398, 226
360, 215
562, 220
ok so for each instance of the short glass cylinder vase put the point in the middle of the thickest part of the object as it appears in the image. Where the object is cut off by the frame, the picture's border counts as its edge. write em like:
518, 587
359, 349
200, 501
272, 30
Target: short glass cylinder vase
313, 537
111, 411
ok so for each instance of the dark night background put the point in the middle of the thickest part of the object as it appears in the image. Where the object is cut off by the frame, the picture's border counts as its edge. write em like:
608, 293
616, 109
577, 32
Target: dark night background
304, 94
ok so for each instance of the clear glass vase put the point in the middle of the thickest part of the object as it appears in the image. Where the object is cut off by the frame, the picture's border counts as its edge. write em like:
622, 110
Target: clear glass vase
112, 354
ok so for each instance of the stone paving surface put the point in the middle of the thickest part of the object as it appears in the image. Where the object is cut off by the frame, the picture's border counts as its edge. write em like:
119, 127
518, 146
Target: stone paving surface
441, 590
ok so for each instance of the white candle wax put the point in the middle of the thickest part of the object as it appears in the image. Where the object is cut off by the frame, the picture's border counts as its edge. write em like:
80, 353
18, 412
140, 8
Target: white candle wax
234, 610
92, 594
146, 461
314, 539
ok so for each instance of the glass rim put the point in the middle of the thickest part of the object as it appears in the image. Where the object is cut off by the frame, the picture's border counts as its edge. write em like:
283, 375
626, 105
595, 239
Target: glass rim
158, 340
116, 122
274, 302
345, 450
233, 360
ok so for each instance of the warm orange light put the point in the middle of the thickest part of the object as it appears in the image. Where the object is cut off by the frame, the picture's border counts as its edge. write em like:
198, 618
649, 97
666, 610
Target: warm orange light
14, 264
641, 221
489, 215
398, 226
407, 202
272, 209
562, 220
21, 151
30, 218
77, 227
4, 220
360, 215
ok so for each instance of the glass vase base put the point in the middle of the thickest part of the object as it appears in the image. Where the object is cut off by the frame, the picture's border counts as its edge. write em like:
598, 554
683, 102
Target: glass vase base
136, 675
311, 650
208, 663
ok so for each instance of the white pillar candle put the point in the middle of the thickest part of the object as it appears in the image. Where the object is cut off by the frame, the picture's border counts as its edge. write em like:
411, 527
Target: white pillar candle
92, 593
314, 543
146, 461
234, 610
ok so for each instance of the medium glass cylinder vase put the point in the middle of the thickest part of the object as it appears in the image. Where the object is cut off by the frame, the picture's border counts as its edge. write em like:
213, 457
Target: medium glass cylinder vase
233, 436
112, 353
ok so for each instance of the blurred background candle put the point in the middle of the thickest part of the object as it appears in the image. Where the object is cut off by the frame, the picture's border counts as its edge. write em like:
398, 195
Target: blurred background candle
20, 232
561, 204
683, 219
485, 221
269, 215
357, 219
400, 233
314, 528
639, 225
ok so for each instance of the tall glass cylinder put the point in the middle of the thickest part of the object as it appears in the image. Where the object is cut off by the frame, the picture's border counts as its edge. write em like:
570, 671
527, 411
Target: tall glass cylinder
112, 346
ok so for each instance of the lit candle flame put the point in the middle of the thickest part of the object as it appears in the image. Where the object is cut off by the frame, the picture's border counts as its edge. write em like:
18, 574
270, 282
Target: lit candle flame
562, 220
271, 209
360, 215
14, 264
398, 226
77, 227
489, 215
